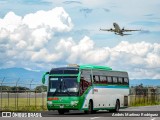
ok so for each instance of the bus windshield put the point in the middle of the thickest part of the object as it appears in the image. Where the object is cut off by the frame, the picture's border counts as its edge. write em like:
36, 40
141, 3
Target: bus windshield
63, 86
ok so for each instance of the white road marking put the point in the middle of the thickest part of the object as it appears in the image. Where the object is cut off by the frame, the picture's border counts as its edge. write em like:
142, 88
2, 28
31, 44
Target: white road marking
153, 118
94, 118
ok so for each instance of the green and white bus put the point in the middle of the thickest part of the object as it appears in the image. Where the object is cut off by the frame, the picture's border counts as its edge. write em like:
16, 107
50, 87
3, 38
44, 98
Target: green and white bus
86, 87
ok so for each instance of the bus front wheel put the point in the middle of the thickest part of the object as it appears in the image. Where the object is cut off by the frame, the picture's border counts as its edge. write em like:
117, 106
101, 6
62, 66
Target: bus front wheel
90, 108
61, 112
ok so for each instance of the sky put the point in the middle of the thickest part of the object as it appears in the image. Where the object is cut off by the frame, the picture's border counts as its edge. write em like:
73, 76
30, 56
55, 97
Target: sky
41, 34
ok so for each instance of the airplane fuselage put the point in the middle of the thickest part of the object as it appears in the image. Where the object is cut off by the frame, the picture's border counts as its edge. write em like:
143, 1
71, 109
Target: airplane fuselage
117, 29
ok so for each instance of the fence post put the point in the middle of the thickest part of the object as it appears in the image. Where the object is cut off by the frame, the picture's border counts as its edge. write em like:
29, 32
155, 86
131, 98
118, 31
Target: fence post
8, 98
16, 93
135, 100
1, 92
42, 98
30, 91
27, 100
35, 100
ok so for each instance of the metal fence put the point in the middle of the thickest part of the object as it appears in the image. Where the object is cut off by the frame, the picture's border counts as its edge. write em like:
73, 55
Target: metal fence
31, 99
27, 101
142, 100
20, 95
144, 95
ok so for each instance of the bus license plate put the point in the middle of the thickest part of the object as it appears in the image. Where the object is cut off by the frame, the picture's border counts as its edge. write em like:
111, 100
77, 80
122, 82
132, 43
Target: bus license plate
61, 106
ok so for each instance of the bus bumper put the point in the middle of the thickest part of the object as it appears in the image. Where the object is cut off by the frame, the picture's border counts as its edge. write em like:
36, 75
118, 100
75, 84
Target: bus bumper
62, 106
64, 103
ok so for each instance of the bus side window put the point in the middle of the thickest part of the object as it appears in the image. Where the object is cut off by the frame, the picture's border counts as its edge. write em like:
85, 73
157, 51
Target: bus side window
109, 79
126, 81
120, 80
103, 80
96, 79
85, 81
115, 81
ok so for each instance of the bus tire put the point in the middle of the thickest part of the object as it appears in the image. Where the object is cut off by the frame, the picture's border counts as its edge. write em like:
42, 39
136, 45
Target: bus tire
61, 112
117, 106
94, 111
85, 111
90, 107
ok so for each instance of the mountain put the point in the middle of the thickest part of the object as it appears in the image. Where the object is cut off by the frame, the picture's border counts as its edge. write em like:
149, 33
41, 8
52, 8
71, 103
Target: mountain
24, 75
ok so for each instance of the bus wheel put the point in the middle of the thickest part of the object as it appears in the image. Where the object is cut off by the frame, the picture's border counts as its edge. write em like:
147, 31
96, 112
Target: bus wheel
61, 112
90, 107
86, 112
116, 109
117, 106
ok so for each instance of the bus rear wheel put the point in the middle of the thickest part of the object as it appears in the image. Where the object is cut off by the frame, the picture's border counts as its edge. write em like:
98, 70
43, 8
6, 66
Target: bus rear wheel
117, 106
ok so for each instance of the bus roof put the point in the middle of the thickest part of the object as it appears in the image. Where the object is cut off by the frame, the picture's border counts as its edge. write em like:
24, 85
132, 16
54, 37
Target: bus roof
94, 67
75, 69
83, 67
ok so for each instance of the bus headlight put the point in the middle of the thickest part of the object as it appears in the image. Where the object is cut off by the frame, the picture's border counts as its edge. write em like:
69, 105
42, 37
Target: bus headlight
49, 102
74, 102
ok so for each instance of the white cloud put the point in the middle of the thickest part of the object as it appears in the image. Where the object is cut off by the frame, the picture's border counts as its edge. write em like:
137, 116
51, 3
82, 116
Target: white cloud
11, 21
45, 57
25, 38
21, 45
35, 29
153, 59
56, 19
78, 51
140, 59
24, 42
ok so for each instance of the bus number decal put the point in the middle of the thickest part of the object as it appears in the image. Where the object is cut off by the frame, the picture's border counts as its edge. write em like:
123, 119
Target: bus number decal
95, 90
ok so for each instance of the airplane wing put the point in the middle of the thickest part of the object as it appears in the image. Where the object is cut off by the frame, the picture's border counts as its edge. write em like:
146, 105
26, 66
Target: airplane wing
122, 34
110, 30
125, 30
127, 34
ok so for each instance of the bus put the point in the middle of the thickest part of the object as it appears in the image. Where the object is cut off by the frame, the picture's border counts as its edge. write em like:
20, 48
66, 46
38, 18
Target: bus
86, 87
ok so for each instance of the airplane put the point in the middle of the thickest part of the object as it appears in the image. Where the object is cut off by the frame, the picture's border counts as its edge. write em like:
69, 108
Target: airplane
117, 30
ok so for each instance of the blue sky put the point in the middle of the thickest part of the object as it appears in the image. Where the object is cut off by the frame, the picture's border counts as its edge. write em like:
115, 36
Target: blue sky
41, 34
88, 16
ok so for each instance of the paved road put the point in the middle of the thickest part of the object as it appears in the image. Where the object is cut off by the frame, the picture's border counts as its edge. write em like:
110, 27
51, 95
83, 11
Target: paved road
101, 115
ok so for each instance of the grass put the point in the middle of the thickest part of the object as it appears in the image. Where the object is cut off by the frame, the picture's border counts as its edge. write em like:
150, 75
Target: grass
144, 100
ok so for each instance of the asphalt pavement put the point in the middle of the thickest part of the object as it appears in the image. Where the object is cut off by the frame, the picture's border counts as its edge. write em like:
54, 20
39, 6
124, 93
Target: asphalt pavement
131, 113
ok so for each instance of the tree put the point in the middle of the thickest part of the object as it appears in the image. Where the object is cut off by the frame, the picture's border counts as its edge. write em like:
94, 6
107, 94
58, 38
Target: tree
41, 88
5, 88
19, 89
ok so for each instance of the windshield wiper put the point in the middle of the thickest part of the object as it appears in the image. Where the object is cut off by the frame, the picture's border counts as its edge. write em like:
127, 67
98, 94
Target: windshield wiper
58, 88
64, 85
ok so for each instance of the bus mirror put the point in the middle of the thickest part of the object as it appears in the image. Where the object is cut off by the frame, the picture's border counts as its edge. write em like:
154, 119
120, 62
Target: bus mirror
43, 78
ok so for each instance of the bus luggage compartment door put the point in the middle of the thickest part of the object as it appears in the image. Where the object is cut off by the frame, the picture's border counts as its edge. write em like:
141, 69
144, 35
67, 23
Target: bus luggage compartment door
125, 100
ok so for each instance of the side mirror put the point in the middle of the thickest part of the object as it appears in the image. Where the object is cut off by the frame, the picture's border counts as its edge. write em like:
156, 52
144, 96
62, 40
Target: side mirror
43, 77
